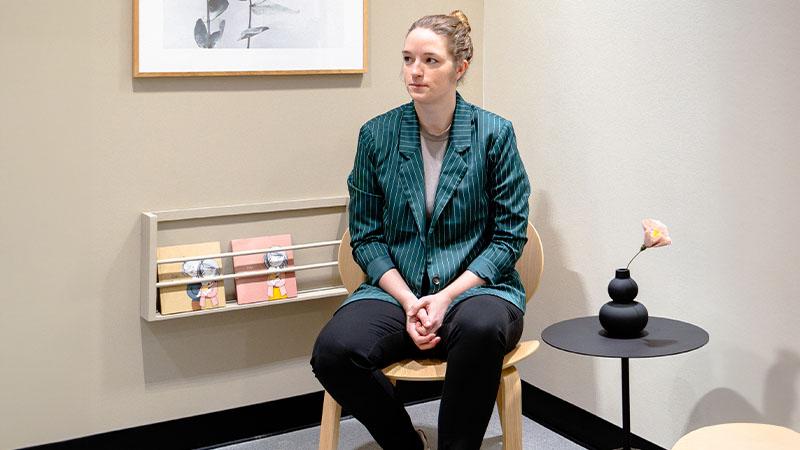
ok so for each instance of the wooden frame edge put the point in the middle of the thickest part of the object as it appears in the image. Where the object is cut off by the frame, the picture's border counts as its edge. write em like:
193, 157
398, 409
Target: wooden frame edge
361, 71
148, 295
136, 73
365, 58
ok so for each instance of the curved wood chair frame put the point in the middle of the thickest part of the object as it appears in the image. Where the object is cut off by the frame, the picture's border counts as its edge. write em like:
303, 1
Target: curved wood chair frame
509, 395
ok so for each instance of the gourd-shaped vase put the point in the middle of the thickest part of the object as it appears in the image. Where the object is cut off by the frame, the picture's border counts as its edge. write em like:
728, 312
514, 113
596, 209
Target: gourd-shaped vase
623, 317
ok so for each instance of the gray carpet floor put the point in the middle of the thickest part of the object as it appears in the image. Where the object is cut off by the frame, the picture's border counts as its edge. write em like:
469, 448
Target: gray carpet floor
353, 435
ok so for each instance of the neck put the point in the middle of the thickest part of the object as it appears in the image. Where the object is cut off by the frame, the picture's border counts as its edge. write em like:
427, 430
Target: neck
435, 118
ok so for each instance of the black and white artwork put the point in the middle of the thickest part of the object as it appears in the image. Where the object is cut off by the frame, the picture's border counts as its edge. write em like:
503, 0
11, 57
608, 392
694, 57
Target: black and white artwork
219, 37
252, 24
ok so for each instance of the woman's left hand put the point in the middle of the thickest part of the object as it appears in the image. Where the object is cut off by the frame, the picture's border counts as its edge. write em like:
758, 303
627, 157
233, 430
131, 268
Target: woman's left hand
434, 306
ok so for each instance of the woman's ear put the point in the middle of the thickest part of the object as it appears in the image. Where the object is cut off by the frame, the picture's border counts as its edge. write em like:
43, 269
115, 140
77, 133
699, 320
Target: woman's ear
461, 69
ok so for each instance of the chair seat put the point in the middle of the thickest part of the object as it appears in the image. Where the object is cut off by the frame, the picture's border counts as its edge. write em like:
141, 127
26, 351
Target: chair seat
740, 436
434, 369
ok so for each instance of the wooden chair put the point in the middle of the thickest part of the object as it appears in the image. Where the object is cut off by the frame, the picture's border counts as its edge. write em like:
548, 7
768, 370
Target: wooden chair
509, 396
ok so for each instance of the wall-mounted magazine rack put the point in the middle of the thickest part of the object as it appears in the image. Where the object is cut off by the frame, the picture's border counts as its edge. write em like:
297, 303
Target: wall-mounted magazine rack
149, 262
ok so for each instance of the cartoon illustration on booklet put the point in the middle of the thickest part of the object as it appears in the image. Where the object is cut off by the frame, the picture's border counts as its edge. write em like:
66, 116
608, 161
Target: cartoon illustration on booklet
274, 286
193, 296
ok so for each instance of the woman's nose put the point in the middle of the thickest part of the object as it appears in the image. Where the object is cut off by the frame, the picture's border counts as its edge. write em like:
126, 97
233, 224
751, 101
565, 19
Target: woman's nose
416, 70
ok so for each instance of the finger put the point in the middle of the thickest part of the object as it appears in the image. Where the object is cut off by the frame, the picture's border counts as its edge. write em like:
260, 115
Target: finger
417, 332
424, 318
420, 338
424, 338
411, 329
430, 344
419, 304
434, 328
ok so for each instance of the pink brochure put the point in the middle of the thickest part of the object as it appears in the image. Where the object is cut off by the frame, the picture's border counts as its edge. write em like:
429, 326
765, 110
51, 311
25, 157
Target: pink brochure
268, 287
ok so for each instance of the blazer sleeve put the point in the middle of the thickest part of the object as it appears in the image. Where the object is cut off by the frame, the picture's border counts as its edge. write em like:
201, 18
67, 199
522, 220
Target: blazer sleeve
509, 190
365, 212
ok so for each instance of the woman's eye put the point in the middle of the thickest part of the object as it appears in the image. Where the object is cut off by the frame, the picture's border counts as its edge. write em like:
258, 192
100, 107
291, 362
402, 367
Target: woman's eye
406, 59
432, 60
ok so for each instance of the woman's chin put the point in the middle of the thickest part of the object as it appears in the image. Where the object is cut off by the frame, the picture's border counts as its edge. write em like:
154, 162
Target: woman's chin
420, 97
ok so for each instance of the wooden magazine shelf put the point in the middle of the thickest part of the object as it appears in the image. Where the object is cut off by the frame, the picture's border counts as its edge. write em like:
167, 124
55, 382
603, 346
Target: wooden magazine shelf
149, 262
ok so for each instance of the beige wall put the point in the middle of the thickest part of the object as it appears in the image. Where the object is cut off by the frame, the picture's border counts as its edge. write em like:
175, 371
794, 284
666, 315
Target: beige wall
86, 148
685, 111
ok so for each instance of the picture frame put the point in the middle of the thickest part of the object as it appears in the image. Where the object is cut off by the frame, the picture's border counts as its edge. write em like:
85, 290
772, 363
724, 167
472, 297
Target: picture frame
187, 38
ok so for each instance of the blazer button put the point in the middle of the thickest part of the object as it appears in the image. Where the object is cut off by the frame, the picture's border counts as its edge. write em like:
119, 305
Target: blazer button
436, 280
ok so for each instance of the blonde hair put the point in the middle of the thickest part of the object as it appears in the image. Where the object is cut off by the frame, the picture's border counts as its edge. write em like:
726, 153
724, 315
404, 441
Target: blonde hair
455, 27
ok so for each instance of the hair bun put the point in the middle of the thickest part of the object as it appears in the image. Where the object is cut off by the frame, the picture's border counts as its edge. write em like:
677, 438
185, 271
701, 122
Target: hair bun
458, 14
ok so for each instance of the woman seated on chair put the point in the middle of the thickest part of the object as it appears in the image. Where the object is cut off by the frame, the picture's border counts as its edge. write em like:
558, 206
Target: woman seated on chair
438, 216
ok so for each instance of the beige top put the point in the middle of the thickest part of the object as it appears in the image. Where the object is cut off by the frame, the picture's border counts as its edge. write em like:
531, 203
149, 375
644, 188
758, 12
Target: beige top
433, 148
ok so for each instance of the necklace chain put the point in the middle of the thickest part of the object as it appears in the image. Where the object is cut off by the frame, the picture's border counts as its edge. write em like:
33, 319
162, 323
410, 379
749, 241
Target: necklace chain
445, 130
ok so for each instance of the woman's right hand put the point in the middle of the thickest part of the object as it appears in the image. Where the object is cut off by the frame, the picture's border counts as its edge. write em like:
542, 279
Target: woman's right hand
393, 283
422, 339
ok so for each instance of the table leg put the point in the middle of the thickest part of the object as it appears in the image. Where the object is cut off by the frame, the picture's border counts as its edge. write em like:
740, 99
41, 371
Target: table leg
626, 406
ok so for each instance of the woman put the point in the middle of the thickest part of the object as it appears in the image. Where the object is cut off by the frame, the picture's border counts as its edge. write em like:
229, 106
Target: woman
438, 218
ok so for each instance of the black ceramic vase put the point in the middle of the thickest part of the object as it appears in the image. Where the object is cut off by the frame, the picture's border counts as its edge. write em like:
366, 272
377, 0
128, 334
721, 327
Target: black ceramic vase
623, 317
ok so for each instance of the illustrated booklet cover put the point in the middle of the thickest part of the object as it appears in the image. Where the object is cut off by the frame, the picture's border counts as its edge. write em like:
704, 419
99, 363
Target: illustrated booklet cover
194, 296
268, 287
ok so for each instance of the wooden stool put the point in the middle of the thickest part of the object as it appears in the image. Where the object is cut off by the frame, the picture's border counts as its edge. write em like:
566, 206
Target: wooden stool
740, 436
509, 395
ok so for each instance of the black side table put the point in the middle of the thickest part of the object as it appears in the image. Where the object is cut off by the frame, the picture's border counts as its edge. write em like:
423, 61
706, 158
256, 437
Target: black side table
661, 337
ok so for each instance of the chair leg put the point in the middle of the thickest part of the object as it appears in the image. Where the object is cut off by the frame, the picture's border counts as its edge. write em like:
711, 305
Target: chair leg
509, 405
329, 426
500, 403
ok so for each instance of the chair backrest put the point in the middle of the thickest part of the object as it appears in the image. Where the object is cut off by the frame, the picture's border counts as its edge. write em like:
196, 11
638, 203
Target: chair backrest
529, 265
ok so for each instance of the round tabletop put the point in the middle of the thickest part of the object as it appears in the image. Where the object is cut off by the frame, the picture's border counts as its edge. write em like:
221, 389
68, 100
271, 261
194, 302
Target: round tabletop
661, 337
740, 436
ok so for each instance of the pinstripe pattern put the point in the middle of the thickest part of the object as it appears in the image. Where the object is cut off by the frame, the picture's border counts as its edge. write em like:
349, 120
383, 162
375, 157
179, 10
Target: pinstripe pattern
480, 209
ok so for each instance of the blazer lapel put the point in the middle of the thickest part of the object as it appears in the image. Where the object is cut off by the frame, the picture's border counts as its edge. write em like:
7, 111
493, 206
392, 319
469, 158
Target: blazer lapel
411, 168
454, 165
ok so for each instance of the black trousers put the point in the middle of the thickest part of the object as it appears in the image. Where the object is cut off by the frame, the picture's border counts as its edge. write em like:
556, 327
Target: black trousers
365, 336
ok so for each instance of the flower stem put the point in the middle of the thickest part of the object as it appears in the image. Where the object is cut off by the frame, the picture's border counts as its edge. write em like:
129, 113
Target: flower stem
643, 248
250, 21
208, 24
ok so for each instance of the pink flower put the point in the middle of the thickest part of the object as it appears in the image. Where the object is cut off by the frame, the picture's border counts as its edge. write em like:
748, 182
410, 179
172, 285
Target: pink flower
656, 234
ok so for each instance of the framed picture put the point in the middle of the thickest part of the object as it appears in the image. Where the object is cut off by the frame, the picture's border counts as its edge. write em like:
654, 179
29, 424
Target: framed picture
178, 38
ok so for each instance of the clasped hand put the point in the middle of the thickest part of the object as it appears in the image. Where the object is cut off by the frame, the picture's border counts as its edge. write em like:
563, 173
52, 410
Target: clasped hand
424, 317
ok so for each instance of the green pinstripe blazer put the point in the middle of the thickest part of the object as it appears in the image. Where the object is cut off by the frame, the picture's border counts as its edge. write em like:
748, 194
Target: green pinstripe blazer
480, 212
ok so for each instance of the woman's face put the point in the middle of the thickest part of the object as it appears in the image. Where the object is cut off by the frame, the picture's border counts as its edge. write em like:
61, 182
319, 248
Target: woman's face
429, 71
